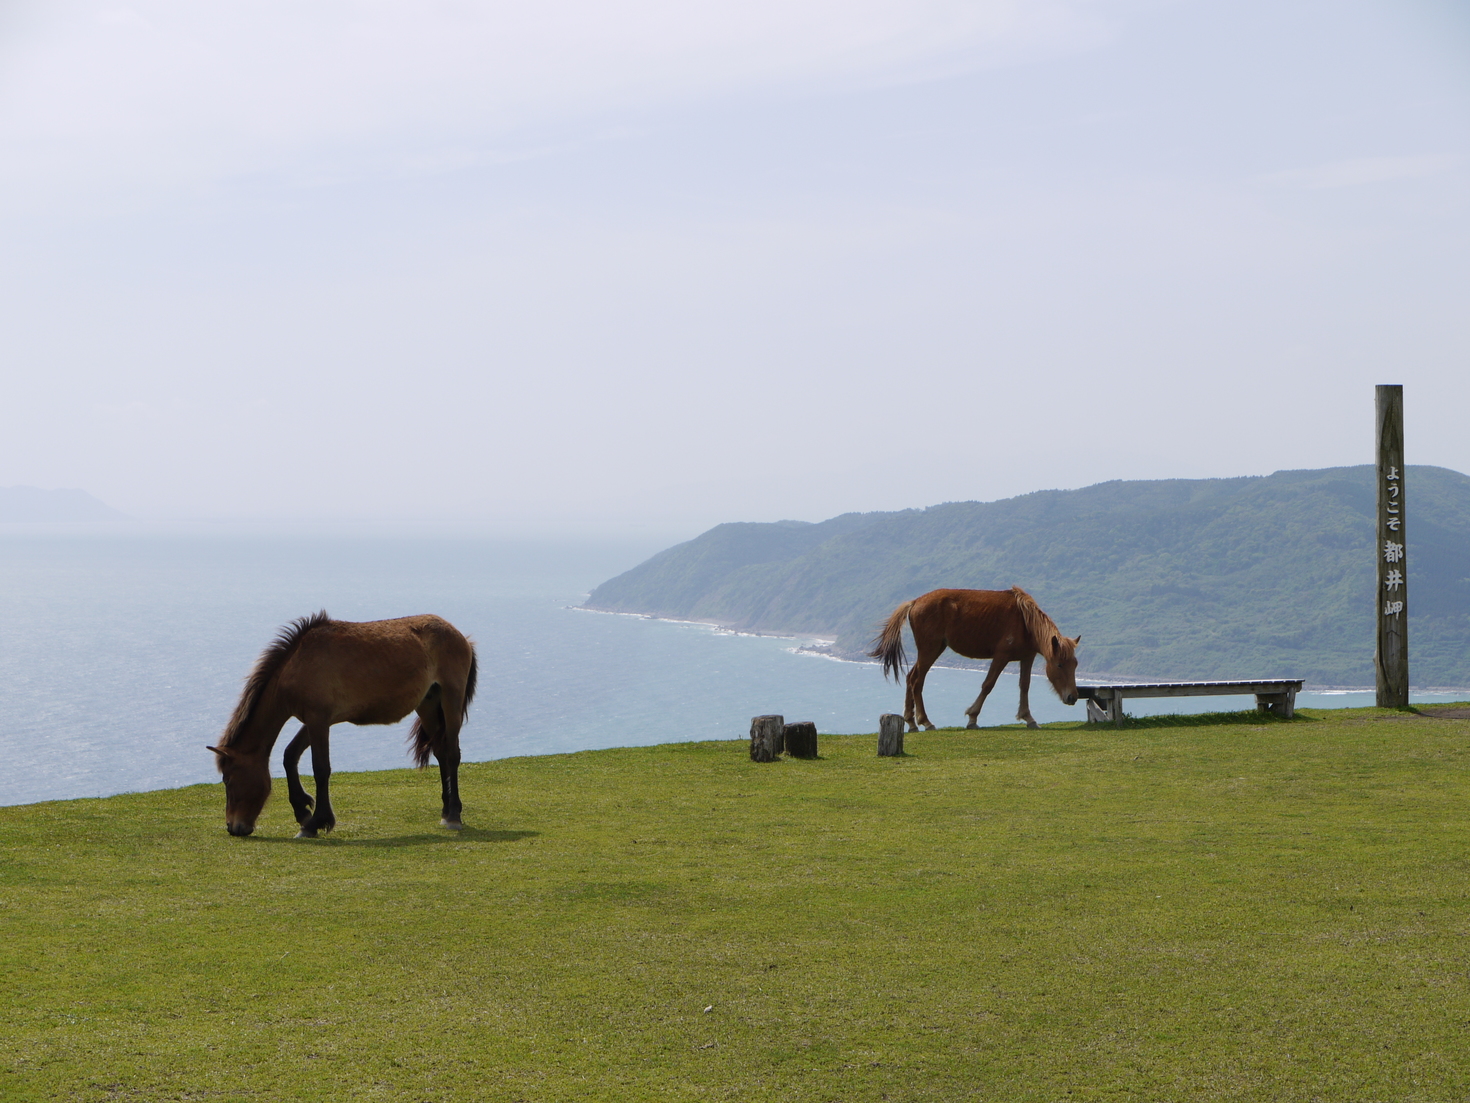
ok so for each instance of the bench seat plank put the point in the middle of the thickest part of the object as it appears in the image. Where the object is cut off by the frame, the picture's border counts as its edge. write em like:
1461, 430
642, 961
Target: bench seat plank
1105, 703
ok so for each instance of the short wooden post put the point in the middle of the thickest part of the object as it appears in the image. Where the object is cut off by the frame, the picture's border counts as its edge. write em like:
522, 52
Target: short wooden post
890, 735
766, 738
801, 739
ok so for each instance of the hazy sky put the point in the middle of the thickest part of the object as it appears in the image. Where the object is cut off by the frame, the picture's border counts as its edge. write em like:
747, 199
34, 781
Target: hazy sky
648, 265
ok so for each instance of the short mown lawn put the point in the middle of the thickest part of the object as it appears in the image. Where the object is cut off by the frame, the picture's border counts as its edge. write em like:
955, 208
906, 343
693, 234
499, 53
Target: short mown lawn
1240, 908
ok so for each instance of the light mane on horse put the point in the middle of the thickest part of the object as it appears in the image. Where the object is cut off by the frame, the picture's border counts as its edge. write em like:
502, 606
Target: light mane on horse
271, 660
1039, 626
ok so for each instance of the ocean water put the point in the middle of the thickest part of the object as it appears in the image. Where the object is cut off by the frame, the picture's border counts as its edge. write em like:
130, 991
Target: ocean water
122, 656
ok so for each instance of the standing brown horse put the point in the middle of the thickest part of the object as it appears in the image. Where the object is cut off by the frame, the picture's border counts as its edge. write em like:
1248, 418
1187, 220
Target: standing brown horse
323, 672
999, 625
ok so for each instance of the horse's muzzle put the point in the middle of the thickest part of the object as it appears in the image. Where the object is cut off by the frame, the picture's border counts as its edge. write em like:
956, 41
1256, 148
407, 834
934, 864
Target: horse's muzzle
239, 830
1070, 699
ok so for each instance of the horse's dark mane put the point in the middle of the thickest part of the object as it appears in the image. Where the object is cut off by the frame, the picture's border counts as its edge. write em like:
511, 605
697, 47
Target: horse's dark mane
266, 668
1040, 627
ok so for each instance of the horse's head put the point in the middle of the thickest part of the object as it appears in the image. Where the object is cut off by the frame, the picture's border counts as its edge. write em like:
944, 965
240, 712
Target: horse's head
1061, 668
247, 784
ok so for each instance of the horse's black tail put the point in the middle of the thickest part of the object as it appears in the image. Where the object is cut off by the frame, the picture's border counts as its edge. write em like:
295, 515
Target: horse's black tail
424, 738
888, 644
469, 682
424, 741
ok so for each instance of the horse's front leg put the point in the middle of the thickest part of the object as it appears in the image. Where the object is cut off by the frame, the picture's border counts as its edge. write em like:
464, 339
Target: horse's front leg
997, 664
323, 819
300, 802
1024, 712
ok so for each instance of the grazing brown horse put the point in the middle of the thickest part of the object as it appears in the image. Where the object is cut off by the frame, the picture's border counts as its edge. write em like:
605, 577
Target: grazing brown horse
999, 625
323, 672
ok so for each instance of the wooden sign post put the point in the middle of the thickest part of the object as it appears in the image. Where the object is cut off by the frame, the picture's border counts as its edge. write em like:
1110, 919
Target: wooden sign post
1391, 656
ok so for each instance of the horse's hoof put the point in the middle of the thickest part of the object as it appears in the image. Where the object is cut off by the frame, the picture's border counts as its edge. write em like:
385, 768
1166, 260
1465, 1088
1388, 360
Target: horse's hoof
972, 726
453, 825
928, 727
305, 834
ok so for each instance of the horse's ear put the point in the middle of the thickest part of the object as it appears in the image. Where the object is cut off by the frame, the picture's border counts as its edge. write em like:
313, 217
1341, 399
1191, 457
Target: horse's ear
1076, 641
1056, 645
219, 751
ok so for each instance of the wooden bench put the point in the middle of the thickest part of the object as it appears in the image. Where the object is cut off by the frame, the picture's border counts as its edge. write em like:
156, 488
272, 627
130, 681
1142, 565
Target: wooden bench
1105, 703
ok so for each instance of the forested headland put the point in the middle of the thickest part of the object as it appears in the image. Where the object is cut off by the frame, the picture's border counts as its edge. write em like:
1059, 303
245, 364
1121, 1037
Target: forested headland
1262, 576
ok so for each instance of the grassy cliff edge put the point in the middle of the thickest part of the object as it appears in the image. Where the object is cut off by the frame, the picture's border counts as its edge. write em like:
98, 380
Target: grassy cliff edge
1247, 910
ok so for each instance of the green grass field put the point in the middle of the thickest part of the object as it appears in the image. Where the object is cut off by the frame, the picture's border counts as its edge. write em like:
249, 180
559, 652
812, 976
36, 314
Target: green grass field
1237, 909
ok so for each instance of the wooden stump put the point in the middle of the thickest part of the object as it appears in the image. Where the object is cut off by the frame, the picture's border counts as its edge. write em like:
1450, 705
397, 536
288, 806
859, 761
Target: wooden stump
766, 742
801, 740
890, 735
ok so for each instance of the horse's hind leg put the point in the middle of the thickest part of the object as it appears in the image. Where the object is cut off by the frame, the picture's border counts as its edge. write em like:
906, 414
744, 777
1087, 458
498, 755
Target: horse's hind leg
451, 711
997, 664
448, 757
323, 819
300, 802
914, 706
440, 714
908, 701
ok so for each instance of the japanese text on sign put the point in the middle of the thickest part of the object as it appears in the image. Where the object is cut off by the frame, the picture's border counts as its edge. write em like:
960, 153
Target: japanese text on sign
1393, 551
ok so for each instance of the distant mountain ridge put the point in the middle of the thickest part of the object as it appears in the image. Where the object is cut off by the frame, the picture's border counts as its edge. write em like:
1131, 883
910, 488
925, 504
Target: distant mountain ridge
29, 504
1259, 576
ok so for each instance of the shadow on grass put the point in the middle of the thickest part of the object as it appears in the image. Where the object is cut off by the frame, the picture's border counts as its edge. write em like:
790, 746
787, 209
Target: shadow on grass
466, 835
1460, 711
1250, 717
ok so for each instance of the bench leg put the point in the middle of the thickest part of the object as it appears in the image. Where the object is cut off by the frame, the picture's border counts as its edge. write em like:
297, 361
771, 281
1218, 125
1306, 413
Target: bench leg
1282, 704
1096, 714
